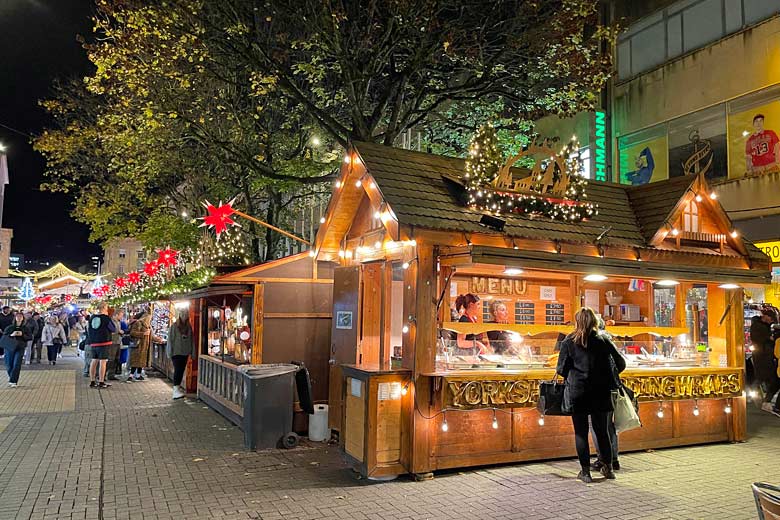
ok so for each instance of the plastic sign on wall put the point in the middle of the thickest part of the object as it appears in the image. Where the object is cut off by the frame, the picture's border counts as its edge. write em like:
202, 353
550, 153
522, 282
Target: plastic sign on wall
600, 148
770, 249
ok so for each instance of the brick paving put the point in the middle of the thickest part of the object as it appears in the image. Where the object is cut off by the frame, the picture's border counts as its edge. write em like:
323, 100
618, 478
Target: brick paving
131, 452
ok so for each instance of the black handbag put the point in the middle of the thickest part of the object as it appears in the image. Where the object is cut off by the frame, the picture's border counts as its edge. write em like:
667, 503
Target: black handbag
551, 397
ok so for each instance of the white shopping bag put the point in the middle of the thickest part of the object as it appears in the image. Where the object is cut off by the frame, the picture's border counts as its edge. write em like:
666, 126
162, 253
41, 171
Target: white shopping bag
626, 417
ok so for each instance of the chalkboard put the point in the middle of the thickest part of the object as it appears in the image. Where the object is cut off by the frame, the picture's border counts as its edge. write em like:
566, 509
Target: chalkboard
524, 313
554, 313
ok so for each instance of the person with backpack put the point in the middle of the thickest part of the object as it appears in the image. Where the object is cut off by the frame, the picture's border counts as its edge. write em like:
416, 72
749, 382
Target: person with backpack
53, 337
100, 331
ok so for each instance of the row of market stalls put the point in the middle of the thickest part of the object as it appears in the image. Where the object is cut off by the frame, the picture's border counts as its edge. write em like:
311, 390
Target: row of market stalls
412, 386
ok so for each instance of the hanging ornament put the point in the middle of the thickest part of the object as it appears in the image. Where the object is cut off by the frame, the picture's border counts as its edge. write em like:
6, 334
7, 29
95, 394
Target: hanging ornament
120, 282
133, 278
167, 256
219, 216
151, 268
68, 298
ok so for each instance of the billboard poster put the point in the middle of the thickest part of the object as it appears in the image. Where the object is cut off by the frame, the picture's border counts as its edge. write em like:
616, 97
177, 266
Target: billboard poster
644, 161
754, 147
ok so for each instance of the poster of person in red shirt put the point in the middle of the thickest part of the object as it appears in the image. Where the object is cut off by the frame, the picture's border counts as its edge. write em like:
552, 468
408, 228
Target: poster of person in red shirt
762, 149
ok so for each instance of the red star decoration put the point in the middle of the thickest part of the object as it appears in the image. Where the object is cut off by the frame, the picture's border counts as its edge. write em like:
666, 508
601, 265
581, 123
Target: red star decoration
104, 289
120, 282
133, 278
167, 257
219, 217
151, 268
68, 297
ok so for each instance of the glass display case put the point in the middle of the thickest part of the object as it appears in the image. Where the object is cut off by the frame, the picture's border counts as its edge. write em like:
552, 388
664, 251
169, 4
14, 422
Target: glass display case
229, 331
514, 350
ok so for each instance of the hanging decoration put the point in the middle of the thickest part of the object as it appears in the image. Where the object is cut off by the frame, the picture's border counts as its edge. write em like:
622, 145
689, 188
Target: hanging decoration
151, 268
219, 216
26, 291
133, 278
166, 257
177, 285
230, 248
552, 187
120, 281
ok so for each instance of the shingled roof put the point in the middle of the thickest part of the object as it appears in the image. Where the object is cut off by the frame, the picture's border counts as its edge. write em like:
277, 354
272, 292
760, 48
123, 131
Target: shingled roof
416, 186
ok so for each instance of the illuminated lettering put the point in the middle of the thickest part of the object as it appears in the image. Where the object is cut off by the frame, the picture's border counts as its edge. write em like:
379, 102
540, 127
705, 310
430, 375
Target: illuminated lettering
600, 155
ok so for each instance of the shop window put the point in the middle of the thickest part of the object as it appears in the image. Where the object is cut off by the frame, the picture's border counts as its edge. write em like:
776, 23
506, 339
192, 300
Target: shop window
664, 302
229, 329
697, 142
691, 217
643, 156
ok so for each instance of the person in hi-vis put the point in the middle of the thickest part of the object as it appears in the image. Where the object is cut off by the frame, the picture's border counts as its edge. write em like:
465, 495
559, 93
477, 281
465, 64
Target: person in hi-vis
762, 149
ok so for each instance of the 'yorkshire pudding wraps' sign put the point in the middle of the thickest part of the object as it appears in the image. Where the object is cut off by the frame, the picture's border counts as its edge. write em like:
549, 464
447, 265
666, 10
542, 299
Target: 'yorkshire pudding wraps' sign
507, 392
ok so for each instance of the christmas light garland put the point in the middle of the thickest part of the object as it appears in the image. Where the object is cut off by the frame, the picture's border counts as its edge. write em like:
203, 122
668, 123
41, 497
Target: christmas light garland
482, 167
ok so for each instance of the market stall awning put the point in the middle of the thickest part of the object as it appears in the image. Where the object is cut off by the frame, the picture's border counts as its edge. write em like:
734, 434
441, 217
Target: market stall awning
704, 271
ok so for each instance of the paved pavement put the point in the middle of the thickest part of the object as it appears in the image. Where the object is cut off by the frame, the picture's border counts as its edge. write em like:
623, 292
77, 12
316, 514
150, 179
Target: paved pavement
68, 452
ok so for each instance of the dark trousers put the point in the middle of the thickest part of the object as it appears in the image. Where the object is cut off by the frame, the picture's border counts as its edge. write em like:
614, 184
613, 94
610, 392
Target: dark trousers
13, 364
51, 352
179, 365
599, 422
613, 437
135, 370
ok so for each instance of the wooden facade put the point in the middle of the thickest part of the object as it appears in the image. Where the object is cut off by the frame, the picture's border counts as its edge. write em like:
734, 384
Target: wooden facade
406, 247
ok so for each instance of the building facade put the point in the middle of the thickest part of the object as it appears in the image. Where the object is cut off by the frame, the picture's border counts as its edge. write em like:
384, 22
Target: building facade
5, 250
121, 256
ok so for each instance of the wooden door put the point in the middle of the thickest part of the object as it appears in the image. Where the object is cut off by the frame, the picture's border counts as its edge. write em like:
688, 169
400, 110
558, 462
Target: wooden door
371, 314
344, 336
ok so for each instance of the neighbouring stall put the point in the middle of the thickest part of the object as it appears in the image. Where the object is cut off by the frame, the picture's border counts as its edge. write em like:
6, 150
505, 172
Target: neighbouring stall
417, 385
276, 312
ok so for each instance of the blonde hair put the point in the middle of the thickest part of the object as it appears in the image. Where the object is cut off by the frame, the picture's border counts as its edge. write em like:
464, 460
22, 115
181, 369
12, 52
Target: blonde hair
494, 305
585, 322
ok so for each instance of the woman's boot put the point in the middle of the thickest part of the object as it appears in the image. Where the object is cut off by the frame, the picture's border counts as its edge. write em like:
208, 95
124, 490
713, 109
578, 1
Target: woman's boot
584, 475
606, 470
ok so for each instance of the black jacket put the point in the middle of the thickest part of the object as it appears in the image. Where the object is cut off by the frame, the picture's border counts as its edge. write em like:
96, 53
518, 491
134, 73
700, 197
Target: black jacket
20, 341
99, 330
591, 374
6, 320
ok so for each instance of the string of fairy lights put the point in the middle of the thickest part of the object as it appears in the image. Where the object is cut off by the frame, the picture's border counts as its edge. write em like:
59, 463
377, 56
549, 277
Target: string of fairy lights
482, 165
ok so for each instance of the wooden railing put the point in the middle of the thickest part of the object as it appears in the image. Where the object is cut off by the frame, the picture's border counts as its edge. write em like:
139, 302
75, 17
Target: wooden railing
220, 382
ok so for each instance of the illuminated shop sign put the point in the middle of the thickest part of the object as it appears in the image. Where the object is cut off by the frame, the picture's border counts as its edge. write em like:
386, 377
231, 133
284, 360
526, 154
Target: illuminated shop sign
770, 249
600, 155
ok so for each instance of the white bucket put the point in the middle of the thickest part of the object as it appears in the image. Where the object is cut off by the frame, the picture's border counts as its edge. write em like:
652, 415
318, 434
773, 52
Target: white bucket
318, 424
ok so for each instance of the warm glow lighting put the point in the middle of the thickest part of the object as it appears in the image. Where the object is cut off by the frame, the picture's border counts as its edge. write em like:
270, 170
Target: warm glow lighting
713, 195
698, 198
696, 411
322, 220
495, 423
752, 348
181, 305
667, 283
348, 254
377, 245
341, 254
729, 286
358, 183
338, 184
216, 314
315, 141
405, 390
372, 185
727, 409
377, 215
184, 214
745, 133
405, 329
675, 232
734, 234
512, 271
347, 159
312, 253
541, 421
595, 278
444, 426
752, 394
660, 412
405, 265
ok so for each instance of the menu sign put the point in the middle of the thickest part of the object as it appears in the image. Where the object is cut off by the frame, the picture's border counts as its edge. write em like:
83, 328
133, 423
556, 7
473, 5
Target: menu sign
554, 313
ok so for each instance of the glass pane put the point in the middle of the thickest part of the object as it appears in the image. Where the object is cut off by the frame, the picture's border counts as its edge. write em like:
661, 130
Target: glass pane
664, 302
697, 142
702, 24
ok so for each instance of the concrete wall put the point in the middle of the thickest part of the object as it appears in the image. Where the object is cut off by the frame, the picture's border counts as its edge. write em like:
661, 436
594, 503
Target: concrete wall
113, 264
5, 250
742, 63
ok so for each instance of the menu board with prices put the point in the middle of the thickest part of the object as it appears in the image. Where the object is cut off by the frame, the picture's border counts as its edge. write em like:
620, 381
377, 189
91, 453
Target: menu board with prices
524, 313
554, 313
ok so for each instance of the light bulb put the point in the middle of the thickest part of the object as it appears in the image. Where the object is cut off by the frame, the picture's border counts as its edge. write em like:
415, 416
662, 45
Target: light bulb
444, 426
698, 198
405, 329
495, 423
660, 414
696, 411
541, 421
752, 394
405, 265
338, 184
377, 245
713, 195
377, 215
322, 220
727, 409
405, 390
358, 183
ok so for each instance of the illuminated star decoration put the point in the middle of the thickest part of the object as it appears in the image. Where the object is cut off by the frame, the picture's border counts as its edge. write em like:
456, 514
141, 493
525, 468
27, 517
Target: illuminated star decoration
219, 217
120, 282
133, 278
167, 256
151, 268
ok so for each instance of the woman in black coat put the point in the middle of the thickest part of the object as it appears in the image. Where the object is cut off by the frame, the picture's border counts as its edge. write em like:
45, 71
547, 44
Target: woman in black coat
590, 364
15, 338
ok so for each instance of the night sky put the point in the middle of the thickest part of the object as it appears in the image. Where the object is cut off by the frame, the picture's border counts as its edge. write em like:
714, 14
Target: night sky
38, 43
